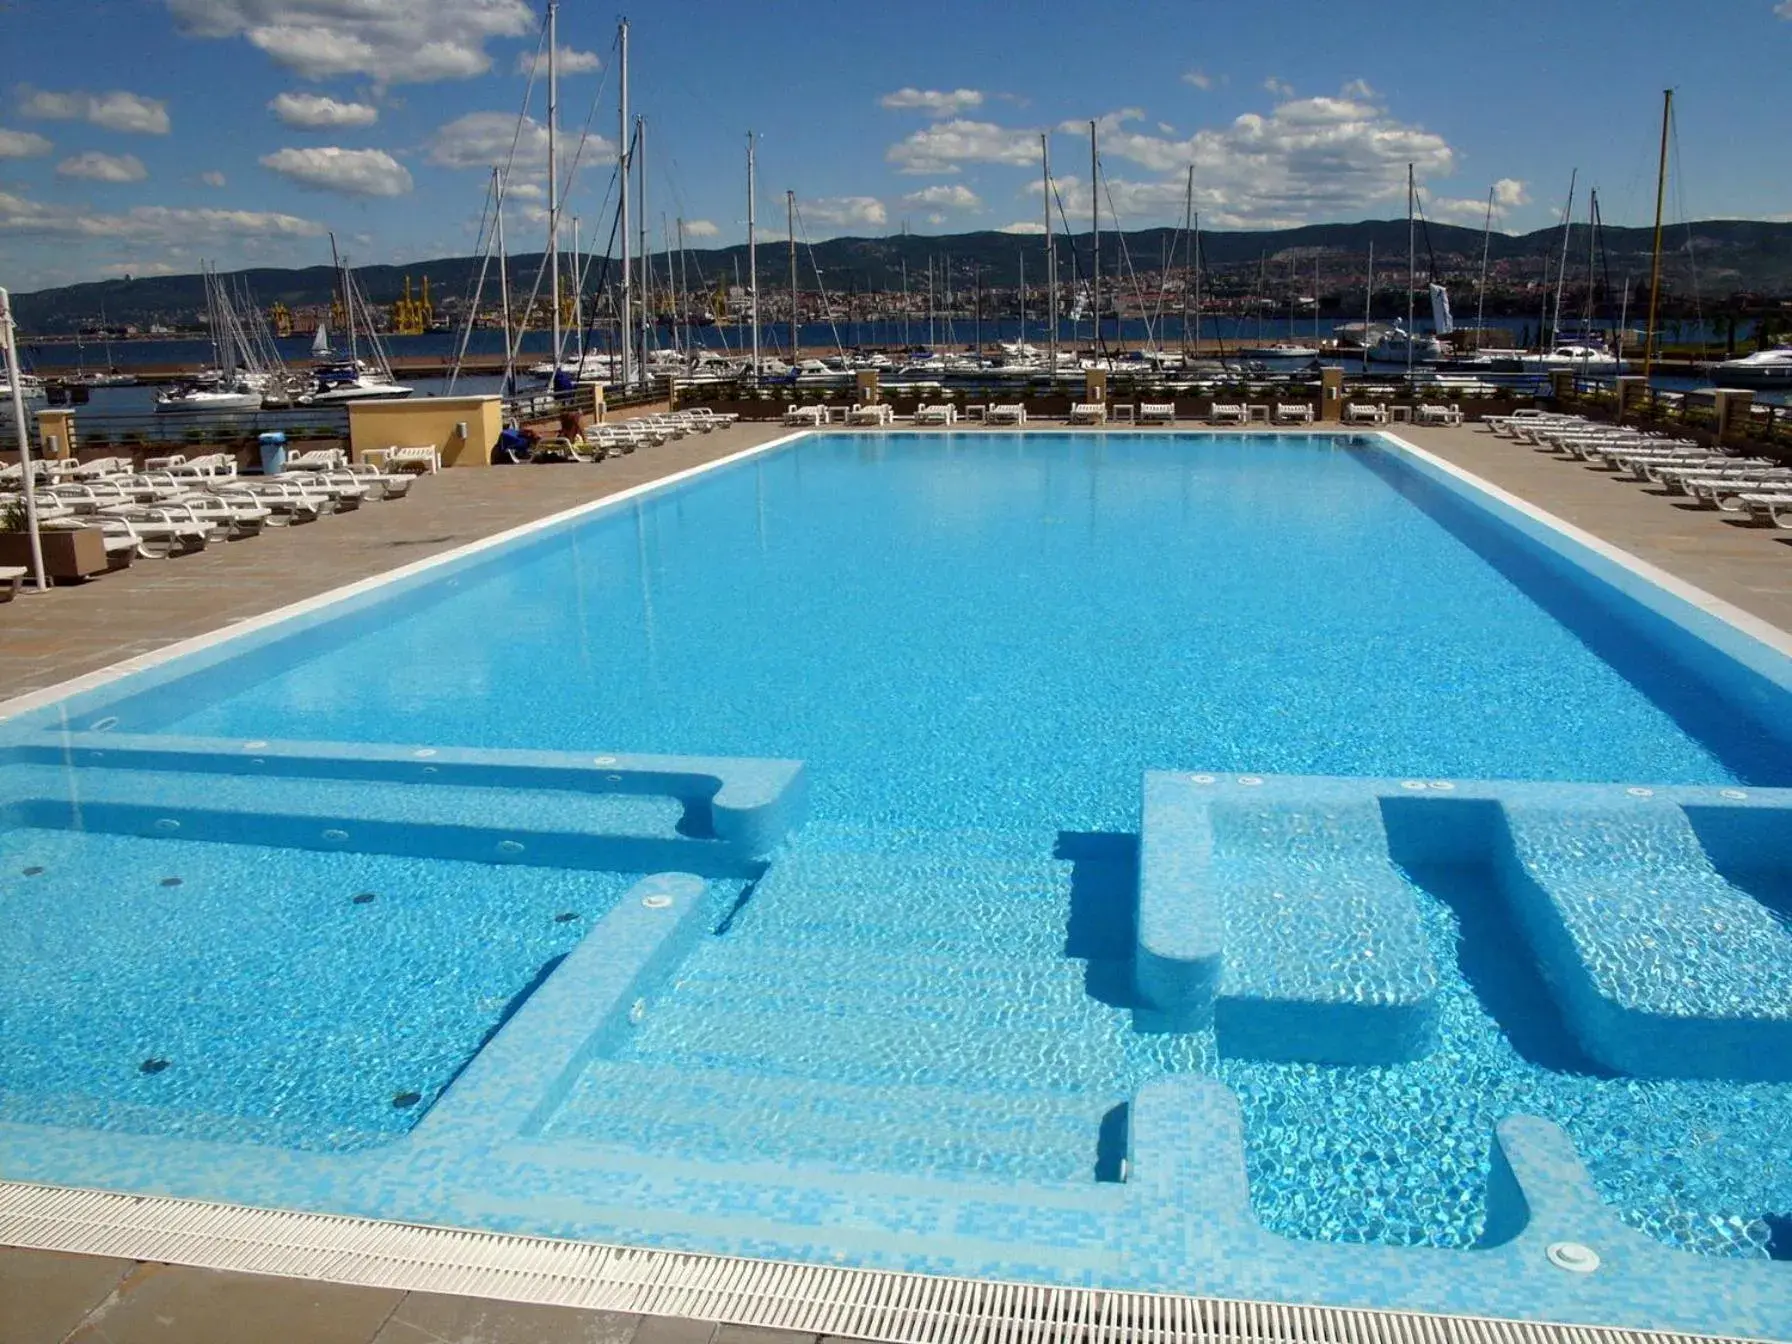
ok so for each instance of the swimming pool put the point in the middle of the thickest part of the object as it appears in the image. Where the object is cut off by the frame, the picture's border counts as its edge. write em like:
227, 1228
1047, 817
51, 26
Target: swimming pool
900, 1019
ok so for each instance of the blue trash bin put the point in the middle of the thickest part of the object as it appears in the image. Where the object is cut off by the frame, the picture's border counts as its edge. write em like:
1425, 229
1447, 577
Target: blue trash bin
273, 453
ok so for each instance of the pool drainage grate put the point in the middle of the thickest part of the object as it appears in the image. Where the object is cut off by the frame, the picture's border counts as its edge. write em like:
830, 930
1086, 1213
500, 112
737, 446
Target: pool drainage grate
896, 1308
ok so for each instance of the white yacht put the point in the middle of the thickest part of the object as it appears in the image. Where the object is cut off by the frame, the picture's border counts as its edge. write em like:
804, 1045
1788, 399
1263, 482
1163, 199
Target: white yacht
1396, 346
352, 380
1764, 368
237, 395
1573, 355
1279, 350
27, 386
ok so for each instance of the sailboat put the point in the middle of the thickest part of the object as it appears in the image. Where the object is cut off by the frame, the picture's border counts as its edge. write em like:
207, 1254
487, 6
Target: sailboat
353, 378
235, 385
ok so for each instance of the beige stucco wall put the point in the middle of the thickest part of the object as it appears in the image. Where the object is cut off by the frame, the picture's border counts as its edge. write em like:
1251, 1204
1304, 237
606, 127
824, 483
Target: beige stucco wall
419, 421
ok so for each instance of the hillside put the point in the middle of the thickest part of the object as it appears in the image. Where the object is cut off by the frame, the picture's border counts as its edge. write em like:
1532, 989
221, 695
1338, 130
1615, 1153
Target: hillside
1731, 256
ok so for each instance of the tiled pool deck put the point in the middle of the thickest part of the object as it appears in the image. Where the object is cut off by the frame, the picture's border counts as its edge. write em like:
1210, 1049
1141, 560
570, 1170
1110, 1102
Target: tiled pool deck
47, 640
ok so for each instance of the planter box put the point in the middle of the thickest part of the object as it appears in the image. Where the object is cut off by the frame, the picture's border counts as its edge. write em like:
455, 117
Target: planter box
68, 555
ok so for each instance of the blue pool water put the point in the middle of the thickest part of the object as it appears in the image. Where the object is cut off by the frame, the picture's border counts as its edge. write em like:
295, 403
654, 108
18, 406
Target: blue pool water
976, 645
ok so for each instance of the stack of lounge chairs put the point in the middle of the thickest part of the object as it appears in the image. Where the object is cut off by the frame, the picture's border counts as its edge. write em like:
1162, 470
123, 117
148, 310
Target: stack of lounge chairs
1157, 412
812, 417
1293, 413
1088, 413
945, 413
1429, 413
1228, 413
182, 505
1707, 477
1365, 413
872, 413
1008, 413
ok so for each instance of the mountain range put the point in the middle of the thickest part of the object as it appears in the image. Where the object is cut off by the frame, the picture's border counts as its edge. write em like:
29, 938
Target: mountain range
1711, 260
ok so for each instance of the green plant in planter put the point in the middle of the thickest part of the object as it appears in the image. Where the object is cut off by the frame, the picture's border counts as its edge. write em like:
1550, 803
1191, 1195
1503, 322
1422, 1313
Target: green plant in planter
12, 515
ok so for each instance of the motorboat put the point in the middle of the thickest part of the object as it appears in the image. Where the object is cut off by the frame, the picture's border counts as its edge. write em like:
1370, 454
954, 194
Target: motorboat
28, 387
352, 380
1397, 346
1764, 368
1574, 356
190, 398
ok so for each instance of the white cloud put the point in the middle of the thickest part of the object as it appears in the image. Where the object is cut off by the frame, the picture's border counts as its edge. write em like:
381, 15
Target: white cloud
392, 41
954, 197
116, 111
940, 148
483, 140
212, 179
1280, 87
149, 224
936, 218
1357, 88
140, 268
1309, 159
1508, 193
1199, 78
527, 191
1784, 9
1032, 226
312, 111
566, 62
97, 167
354, 172
700, 228
845, 211
934, 102
22, 144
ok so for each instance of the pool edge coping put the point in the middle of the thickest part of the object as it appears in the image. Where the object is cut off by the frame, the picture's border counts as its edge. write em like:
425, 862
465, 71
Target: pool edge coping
898, 1307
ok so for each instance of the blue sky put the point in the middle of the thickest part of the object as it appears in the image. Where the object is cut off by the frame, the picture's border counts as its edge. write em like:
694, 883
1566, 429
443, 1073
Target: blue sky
156, 132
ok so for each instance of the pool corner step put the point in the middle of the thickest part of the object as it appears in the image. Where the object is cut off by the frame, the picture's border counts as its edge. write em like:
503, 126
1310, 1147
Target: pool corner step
1282, 920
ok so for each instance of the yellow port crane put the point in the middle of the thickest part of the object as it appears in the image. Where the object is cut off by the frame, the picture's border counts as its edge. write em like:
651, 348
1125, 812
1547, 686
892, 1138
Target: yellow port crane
412, 316
280, 319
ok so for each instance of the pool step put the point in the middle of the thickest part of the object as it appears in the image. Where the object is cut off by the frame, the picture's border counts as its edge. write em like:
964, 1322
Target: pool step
552, 827
722, 1115
1283, 922
1661, 966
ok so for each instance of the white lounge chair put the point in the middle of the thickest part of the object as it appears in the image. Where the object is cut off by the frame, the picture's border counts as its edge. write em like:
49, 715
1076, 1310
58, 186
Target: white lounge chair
945, 413
812, 416
873, 413
1431, 413
316, 459
159, 535
102, 467
287, 502
1227, 413
1364, 413
1088, 413
1773, 507
1008, 413
1157, 412
1293, 413
11, 576
716, 419
424, 459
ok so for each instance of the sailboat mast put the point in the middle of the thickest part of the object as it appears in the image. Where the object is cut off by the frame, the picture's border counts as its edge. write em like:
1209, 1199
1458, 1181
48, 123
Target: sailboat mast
1051, 252
905, 340
1555, 328
641, 210
1661, 186
1368, 305
1196, 243
578, 293
554, 177
1188, 227
1095, 234
752, 258
1021, 254
1481, 293
1412, 267
790, 229
503, 290
625, 314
